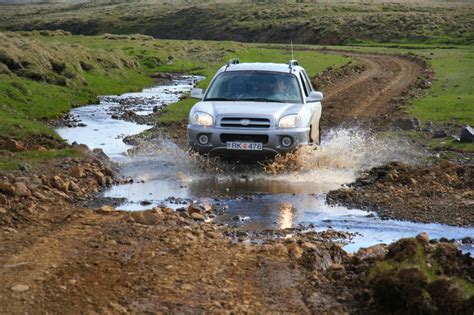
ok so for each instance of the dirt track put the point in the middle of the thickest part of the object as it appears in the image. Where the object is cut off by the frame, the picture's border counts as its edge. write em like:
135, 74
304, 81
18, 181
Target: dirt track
369, 95
70, 259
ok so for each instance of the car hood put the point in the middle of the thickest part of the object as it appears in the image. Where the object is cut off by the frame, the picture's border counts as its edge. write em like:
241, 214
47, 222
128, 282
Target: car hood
248, 109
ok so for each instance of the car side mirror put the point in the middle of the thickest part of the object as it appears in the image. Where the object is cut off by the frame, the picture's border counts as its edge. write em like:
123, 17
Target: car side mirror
314, 96
197, 93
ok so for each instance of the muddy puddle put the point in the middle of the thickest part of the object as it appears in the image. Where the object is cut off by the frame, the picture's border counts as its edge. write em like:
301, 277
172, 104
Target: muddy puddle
284, 194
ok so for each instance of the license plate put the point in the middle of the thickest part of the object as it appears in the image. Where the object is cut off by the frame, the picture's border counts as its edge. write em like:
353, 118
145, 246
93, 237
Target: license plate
246, 146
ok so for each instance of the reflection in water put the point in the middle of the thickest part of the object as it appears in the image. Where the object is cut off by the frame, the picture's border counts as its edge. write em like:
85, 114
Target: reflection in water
286, 215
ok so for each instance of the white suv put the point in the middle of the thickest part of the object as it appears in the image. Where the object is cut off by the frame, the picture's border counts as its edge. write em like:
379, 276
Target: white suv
255, 108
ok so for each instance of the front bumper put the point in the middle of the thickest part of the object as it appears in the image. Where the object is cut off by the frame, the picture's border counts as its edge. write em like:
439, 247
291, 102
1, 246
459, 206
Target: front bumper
272, 146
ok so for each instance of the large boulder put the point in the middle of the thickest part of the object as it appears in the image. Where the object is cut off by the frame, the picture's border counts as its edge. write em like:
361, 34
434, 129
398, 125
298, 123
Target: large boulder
467, 134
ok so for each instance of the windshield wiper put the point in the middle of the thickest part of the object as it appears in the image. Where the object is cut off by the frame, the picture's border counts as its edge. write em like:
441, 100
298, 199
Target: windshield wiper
261, 99
219, 99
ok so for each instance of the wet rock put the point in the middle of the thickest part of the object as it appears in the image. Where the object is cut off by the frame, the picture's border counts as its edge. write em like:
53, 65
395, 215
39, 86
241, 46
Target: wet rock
145, 202
467, 134
407, 124
20, 288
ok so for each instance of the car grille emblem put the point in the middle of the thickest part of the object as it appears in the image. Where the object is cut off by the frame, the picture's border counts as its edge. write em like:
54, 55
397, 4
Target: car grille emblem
245, 122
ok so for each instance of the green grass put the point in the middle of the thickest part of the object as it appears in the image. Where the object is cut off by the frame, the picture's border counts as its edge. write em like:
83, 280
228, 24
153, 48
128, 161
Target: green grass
451, 98
34, 157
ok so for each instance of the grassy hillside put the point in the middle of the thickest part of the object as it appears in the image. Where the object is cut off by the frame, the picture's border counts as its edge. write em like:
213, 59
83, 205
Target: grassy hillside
264, 21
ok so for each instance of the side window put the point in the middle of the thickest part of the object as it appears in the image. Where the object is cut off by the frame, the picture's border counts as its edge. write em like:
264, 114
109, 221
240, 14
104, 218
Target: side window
308, 81
305, 84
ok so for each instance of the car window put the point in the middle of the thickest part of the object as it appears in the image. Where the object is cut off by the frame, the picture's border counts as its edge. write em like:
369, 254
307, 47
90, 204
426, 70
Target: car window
260, 86
305, 84
310, 85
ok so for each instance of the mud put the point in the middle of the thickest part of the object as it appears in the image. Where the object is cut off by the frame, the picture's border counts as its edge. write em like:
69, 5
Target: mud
437, 193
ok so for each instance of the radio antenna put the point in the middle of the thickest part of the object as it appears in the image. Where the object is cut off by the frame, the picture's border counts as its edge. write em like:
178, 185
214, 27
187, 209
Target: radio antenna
292, 52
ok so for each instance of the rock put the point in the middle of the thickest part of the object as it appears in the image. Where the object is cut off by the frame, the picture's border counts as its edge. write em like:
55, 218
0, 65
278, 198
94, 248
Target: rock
195, 208
13, 145
197, 216
7, 188
3, 210
21, 190
3, 199
106, 209
77, 172
81, 125
147, 217
100, 177
39, 148
440, 134
423, 239
407, 124
118, 308
24, 167
145, 202
20, 288
373, 252
467, 134
295, 251
278, 250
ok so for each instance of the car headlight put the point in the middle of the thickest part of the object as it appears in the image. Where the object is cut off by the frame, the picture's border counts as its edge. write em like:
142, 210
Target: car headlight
201, 118
290, 121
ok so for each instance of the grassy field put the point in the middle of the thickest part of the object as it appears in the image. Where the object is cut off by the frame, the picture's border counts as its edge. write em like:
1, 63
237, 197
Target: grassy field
327, 22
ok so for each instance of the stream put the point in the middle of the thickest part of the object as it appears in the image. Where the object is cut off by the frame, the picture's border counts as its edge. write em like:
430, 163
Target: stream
246, 195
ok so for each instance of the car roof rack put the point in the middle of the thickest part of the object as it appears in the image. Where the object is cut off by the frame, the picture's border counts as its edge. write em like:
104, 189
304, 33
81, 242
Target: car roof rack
234, 61
292, 64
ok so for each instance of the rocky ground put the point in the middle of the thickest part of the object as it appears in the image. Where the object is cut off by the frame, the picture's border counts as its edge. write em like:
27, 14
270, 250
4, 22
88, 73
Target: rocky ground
438, 193
58, 256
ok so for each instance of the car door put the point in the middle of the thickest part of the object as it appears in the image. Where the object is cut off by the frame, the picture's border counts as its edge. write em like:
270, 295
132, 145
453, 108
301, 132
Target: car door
315, 107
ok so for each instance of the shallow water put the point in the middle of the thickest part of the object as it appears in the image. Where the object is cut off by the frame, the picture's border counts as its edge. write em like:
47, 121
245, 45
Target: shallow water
286, 193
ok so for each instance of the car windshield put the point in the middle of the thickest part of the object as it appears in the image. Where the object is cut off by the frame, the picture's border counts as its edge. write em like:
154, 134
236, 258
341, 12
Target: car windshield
256, 86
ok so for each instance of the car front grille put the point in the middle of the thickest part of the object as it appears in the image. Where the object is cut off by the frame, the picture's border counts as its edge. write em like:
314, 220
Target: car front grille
242, 122
226, 137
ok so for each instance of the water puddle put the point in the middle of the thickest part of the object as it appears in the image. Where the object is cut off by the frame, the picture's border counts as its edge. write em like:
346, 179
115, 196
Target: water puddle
287, 193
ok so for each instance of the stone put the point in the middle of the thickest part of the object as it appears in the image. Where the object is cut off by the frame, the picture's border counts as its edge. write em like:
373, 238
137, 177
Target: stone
40, 148
7, 188
13, 145
74, 187
407, 124
295, 251
3, 210
20, 288
467, 134
440, 134
3, 199
106, 209
77, 172
423, 239
373, 252
147, 217
21, 190
197, 216
195, 208
99, 176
